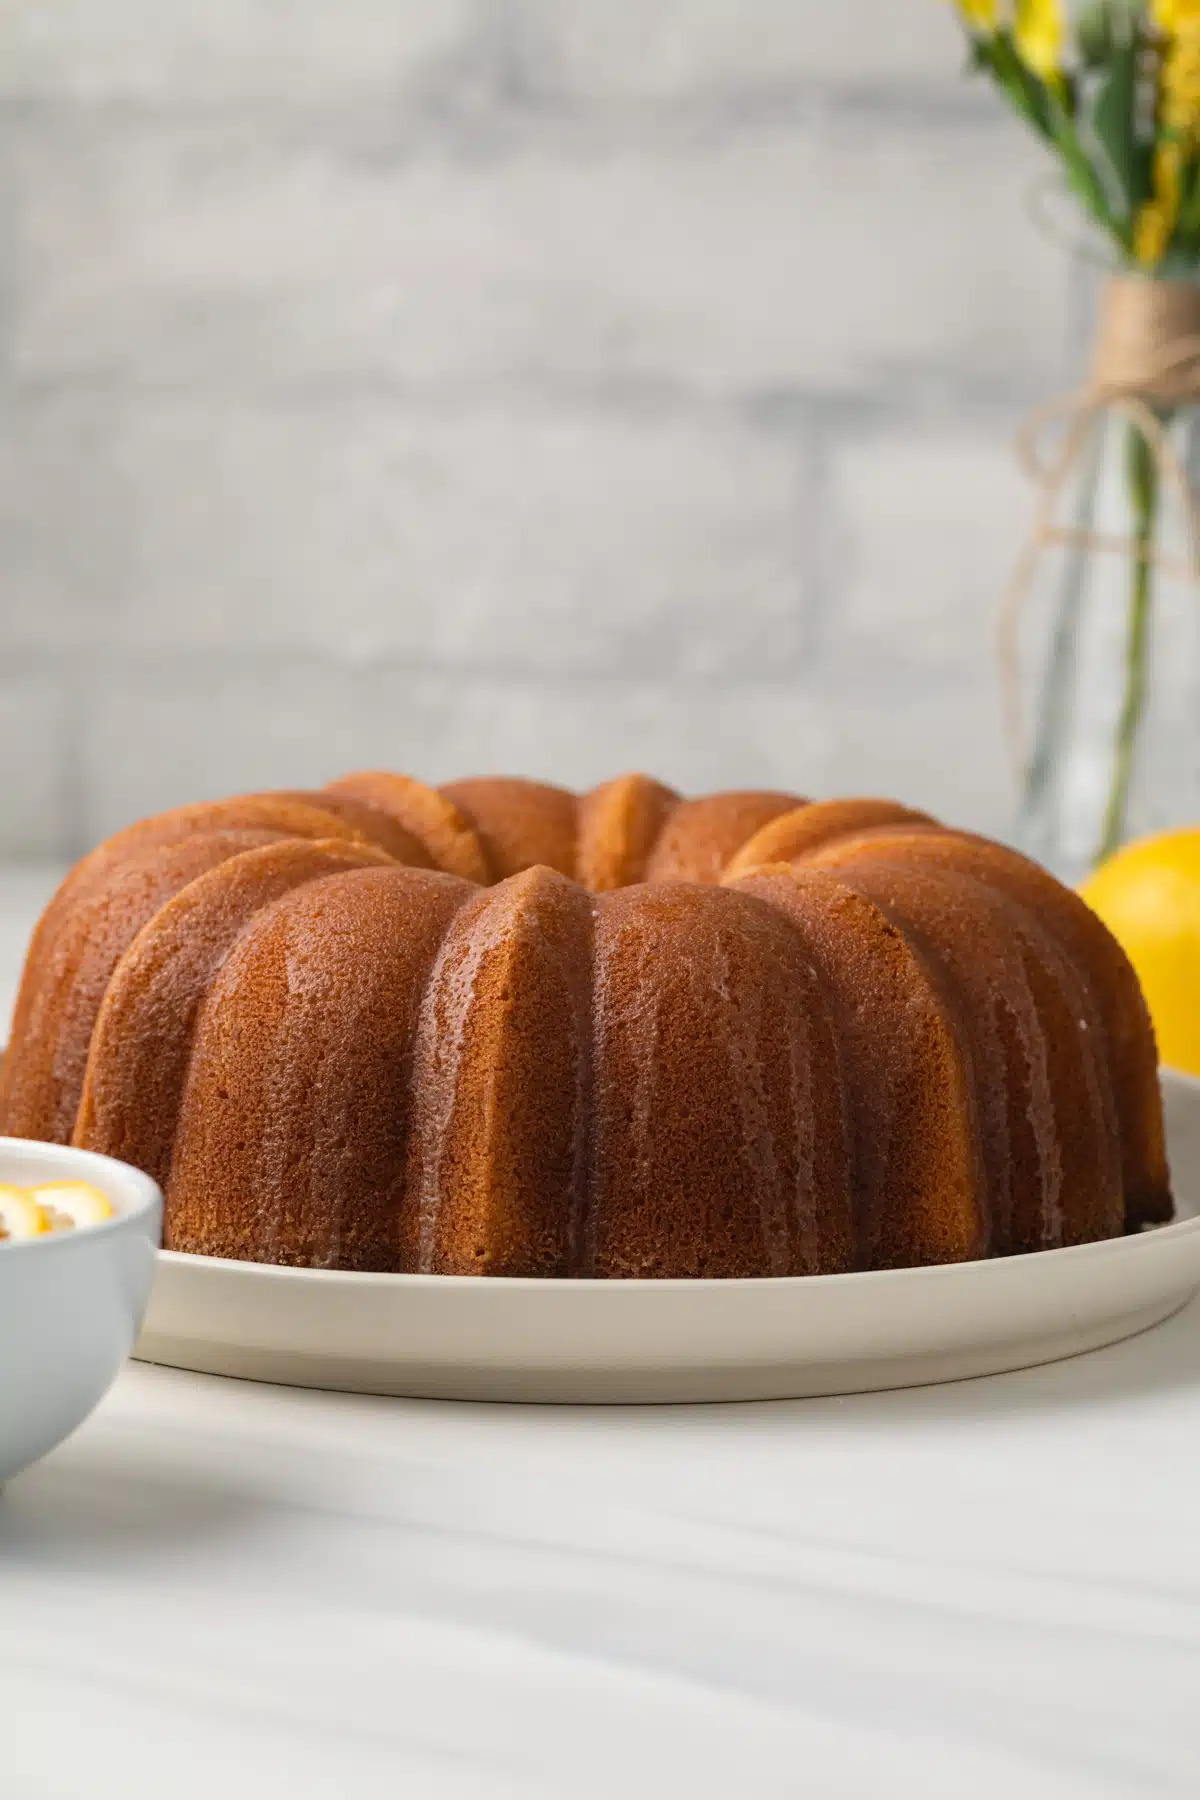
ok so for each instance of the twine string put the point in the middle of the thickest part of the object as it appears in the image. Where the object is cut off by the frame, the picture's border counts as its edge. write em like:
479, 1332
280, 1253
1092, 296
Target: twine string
1147, 362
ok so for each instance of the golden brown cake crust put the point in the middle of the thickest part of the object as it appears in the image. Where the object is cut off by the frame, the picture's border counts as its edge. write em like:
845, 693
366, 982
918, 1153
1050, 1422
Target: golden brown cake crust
618, 827
360, 821
497, 1167
719, 1127
293, 1129
300, 815
1126, 1032
142, 1041
449, 838
67, 978
895, 1045
701, 836
1048, 1122
920, 1188
519, 823
808, 828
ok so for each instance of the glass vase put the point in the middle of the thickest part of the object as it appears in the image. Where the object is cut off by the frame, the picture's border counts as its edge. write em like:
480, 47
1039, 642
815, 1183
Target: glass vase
1109, 666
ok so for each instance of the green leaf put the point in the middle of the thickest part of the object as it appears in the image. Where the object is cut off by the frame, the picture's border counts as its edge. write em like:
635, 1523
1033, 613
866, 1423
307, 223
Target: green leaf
977, 55
1050, 110
1114, 127
1093, 35
1028, 95
1106, 27
1081, 177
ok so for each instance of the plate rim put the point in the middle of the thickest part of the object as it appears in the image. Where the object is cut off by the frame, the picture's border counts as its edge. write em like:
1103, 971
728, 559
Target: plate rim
588, 1341
1154, 1235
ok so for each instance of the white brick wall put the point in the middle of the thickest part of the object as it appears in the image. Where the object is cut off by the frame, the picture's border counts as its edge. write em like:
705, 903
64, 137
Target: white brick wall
260, 722
682, 49
519, 539
551, 385
831, 255
39, 750
926, 521
168, 52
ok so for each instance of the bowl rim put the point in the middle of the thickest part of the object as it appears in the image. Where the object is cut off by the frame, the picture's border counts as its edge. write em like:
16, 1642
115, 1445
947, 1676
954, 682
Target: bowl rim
135, 1195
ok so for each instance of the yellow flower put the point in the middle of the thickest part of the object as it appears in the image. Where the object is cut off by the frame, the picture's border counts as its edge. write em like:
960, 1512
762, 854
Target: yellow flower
1156, 220
1181, 81
1151, 235
1175, 15
983, 14
1178, 22
1040, 33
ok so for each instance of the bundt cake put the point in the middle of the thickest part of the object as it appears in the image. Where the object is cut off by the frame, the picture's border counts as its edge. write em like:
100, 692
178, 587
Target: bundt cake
496, 1028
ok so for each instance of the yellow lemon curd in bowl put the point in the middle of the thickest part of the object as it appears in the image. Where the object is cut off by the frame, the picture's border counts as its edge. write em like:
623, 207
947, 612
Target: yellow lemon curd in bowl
30, 1212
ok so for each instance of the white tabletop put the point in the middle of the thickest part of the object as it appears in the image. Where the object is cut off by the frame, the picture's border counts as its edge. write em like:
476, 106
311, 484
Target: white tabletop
218, 1589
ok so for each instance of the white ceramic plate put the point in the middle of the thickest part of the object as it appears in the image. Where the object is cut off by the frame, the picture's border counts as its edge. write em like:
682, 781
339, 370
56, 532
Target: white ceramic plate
471, 1338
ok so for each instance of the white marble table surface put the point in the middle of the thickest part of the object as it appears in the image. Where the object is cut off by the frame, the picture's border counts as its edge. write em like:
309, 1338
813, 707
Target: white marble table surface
990, 1589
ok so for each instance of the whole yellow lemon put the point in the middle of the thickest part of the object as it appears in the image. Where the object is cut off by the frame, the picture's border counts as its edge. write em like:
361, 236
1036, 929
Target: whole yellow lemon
1148, 895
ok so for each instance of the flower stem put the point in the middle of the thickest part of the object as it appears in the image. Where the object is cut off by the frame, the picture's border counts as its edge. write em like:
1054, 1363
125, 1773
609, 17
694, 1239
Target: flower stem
1141, 476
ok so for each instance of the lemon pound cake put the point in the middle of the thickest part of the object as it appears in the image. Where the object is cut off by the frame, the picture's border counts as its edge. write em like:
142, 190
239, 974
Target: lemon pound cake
498, 1028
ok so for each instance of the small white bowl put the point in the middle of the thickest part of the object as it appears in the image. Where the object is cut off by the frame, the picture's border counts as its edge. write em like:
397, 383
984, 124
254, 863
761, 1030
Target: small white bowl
71, 1303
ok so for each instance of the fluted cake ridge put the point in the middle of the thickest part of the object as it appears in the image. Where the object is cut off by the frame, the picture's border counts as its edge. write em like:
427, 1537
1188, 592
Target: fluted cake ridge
500, 1028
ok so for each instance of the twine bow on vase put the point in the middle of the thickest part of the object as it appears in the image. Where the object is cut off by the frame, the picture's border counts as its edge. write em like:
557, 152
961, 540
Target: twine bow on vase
1145, 373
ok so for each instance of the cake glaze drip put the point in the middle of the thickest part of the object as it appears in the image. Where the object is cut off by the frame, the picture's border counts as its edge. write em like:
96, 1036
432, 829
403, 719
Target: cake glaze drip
438, 1057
